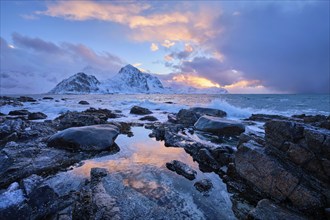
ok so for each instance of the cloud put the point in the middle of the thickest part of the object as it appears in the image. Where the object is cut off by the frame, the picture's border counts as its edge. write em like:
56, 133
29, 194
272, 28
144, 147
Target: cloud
35, 65
286, 46
147, 21
154, 47
194, 81
168, 43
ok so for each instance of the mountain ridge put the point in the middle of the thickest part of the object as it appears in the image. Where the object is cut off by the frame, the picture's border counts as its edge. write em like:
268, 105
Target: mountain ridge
129, 80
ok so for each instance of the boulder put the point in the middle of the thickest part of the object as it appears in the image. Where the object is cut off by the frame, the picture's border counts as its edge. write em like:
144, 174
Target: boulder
19, 112
87, 138
148, 118
83, 102
187, 117
265, 117
209, 111
76, 119
182, 169
137, 110
269, 210
219, 126
203, 185
36, 116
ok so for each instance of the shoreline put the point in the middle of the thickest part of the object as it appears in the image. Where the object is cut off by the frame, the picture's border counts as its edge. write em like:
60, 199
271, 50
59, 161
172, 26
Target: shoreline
289, 177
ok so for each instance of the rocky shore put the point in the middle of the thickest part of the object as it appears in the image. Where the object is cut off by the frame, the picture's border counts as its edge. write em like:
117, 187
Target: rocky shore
280, 172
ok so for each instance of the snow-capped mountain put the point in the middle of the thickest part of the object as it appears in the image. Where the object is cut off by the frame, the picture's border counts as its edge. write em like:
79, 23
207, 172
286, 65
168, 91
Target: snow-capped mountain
129, 80
79, 83
132, 80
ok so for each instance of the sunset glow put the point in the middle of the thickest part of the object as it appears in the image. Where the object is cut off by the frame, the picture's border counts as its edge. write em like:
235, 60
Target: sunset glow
195, 81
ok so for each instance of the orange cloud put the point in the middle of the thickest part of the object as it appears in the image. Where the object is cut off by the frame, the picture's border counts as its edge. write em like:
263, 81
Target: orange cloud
248, 86
177, 25
154, 47
195, 81
168, 58
168, 43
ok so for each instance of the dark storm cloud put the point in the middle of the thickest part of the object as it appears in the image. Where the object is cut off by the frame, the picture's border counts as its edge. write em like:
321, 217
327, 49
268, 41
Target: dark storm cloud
286, 46
212, 69
35, 65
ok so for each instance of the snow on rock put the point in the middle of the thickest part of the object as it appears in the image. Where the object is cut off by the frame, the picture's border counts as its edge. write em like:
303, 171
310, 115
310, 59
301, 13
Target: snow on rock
79, 83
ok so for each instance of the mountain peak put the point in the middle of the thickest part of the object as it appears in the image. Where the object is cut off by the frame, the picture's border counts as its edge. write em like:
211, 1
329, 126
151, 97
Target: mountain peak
129, 69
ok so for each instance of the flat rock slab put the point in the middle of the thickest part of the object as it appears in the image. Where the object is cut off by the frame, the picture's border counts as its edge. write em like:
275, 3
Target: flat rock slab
219, 126
87, 138
182, 169
269, 210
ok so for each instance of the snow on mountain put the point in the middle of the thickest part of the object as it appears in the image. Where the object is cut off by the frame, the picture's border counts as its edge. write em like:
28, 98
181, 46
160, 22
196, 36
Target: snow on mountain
129, 80
132, 80
79, 83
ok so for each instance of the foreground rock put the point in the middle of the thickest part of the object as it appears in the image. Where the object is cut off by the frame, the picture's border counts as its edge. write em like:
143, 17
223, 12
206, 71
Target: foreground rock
219, 126
148, 118
290, 166
182, 169
87, 138
94, 202
19, 112
269, 210
137, 110
90, 116
203, 185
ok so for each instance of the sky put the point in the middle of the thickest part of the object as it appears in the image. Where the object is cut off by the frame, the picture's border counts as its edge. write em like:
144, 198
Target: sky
242, 46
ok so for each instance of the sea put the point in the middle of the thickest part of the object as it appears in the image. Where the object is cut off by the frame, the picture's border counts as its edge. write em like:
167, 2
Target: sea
138, 178
237, 106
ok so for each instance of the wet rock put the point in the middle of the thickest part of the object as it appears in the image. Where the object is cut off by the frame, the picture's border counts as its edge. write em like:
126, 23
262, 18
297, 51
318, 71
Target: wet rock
48, 98
203, 185
182, 169
148, 118
265, 117
321, 121
269, 210
209, 111
99, 112
204, 157
5, 100
94, 202
19, 112
10, 126
31, 183
77, 119
83, 102
137, 110
219, 126
272, 178
36, 116
241, 207
187, 117
11, 201
87, 138
223, 155
26, 99
172, 118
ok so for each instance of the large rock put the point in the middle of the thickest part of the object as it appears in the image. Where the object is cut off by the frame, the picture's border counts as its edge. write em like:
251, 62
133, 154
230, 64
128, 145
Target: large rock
274, 179
219, 126
271, 211
26, 99
36, 116
19, 112
188, 117
87, 138
137, 110
182, 169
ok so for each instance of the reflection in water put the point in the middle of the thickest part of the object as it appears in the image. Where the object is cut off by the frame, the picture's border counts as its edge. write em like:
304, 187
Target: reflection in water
140, 181
135, 152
